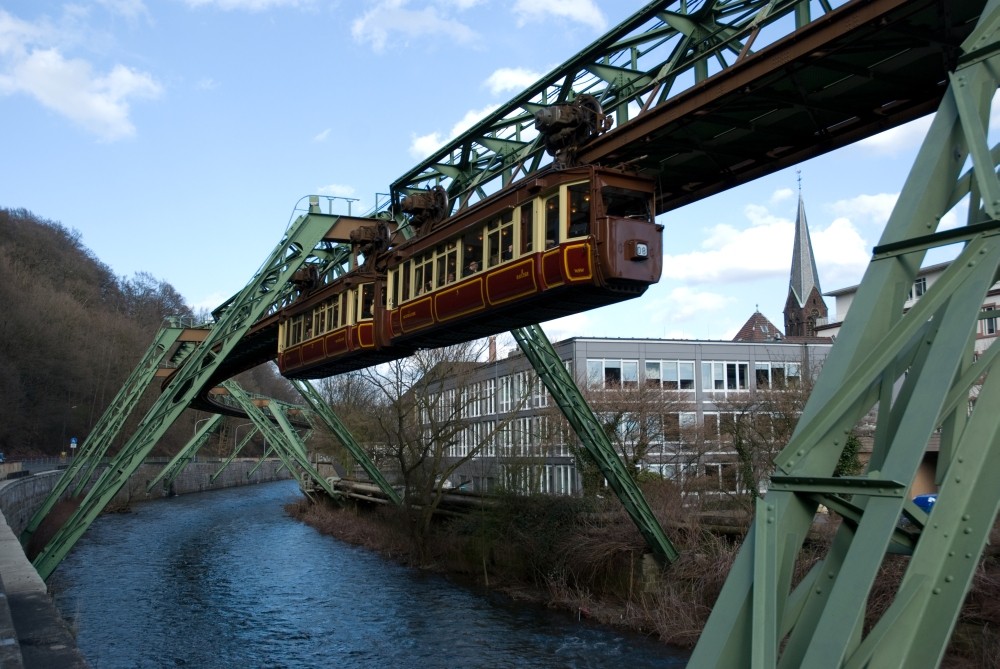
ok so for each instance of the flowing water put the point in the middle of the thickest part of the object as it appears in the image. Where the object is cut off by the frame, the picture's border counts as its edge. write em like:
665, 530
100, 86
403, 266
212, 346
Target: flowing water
225, 579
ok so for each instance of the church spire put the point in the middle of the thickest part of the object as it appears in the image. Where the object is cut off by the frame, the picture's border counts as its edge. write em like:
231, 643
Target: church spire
804, 308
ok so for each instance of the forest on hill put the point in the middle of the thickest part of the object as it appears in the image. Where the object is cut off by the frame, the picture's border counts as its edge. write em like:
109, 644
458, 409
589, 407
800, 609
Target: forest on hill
71, 333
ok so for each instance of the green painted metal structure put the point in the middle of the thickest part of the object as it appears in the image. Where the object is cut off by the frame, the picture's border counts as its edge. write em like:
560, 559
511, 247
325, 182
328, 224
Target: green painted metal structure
252, 303
238, 448
186, 454
337, 427
95, 446
704, 95
552, 371
921, 369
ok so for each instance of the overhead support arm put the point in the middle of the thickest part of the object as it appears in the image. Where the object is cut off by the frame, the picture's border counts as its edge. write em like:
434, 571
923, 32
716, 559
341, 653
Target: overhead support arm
279, 434
551, 370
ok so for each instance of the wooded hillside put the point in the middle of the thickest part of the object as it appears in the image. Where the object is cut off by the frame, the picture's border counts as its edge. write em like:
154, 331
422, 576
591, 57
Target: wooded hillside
70, 334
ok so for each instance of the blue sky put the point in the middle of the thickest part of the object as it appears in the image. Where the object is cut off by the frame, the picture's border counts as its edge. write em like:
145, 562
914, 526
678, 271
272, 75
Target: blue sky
178, 136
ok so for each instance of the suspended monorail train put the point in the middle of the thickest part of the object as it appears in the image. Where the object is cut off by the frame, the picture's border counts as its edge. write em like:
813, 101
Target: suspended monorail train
555, 243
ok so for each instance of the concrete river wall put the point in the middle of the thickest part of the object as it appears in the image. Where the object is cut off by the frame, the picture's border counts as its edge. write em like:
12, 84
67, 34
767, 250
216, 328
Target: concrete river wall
32, 633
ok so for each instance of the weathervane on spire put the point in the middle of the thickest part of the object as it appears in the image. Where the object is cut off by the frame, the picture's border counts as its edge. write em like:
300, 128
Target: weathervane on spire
799, 176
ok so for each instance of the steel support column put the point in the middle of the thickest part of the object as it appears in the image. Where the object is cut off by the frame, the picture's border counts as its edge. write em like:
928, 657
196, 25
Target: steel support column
97, 442
242, 311
919, 367
335, 425
550, 368
177, 463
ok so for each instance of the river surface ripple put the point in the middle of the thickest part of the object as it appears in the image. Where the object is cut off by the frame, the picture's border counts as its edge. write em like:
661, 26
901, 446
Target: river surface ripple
225, 579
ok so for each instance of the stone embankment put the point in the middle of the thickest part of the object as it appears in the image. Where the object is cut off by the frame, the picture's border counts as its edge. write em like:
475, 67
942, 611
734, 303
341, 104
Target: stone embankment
32, 633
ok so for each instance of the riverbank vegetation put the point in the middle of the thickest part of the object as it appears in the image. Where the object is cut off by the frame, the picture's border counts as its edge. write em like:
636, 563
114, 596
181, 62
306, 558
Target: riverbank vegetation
584, 556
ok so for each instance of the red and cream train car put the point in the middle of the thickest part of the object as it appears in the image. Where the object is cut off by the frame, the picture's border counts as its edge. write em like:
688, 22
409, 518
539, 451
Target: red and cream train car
553, 244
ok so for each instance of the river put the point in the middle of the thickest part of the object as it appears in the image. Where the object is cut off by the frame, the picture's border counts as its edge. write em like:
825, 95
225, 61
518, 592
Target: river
225, 579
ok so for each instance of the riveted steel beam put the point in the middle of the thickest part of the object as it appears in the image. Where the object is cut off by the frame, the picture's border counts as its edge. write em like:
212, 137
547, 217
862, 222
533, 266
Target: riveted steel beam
920, 367
550, 369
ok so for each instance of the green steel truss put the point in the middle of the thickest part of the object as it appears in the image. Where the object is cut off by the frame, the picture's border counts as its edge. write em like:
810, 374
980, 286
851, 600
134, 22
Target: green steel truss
187, 452
337, 427
920, 369
661, 52
95, 446
234, 319
279, 433
236, 451
550, 368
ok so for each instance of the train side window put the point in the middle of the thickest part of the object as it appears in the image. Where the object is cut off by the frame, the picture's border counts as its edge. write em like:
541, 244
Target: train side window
367, 294
335, 313
507, 235
319, 319
447, 263
423, 274
493, 243
623, 203
551, 221
405, 274
578, 224
472, 252
527, 228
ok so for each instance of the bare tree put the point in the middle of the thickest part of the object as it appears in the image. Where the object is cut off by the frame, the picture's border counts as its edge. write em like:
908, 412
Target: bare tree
420, 416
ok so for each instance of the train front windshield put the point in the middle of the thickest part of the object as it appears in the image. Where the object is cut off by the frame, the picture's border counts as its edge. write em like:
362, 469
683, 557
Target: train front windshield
623, 203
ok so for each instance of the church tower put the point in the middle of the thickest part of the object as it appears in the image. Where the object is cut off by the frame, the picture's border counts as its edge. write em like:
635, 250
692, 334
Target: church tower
804, 308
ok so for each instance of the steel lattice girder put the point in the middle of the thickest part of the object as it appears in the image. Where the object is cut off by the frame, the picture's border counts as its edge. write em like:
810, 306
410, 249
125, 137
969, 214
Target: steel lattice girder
187, 452
919, 366
192, 378
707, 95
550, 369
97, 442
335, 425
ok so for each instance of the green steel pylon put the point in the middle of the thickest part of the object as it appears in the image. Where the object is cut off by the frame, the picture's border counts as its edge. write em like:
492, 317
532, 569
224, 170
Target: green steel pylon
177, 463
920, 367
236, 451
550, 368
280, 435
249, 305
335, 425
95, 446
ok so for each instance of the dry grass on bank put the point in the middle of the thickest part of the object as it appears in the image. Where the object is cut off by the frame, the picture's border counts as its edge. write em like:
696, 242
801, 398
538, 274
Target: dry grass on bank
585, 556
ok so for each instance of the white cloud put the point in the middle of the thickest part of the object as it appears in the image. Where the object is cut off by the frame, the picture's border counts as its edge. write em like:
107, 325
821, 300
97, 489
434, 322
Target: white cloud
207, 84
336, 190
684, 303
246, 5
422, 146
580, 11
132, 10
867, 209
842, 254
322, 136
98, 102
574, 325
390, 17
763, 248
899, 139
781, 195
508, 79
